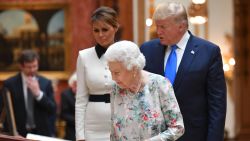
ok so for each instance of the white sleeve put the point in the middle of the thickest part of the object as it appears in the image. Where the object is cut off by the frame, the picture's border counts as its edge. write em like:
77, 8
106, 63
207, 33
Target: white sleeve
82, 98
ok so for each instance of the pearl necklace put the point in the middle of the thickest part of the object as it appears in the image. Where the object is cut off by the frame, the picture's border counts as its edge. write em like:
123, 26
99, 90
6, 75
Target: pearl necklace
131, 93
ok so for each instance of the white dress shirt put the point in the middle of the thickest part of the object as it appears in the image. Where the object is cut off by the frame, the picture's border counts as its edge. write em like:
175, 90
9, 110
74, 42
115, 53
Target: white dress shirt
179, 51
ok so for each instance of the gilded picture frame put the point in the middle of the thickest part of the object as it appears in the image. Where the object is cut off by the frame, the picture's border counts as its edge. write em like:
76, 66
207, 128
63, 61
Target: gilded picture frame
44, 28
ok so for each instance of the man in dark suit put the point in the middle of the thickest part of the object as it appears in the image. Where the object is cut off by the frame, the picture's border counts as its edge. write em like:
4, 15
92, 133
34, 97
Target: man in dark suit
32, 97
68, 108
198, 79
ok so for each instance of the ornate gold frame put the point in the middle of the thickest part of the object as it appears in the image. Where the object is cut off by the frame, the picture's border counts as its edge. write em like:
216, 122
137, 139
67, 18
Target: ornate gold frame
61, 75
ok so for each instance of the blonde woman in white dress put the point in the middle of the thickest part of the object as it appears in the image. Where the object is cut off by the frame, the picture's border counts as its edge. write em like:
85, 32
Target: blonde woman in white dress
92, 109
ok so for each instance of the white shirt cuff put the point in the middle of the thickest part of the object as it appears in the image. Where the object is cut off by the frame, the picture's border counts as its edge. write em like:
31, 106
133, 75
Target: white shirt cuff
40, 96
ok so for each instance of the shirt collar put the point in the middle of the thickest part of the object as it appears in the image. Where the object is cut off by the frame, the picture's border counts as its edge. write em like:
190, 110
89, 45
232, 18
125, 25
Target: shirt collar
24, 77
183, 42
100, 50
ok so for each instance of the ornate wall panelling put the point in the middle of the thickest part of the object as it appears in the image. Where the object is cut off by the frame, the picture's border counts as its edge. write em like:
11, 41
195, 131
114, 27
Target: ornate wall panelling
242, 69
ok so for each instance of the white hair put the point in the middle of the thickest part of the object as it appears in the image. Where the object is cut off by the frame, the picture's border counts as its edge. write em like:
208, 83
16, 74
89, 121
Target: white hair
126, 52
72, 79
170, 9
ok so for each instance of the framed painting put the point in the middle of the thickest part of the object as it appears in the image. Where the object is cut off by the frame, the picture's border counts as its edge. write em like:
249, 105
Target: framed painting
38, 26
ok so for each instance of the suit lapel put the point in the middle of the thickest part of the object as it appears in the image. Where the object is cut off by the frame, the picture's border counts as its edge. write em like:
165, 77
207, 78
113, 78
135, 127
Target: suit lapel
19, 85
19, 91
162, 50
189, 54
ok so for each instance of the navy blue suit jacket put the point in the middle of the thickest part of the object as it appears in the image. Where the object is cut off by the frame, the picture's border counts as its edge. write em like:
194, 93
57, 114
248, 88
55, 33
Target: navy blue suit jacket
43, 109
199, 87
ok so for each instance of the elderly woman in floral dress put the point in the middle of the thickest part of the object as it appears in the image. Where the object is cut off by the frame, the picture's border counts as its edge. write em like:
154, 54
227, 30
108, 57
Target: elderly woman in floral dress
143, 104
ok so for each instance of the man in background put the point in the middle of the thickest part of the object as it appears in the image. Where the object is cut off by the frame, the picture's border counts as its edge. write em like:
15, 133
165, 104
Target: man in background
68, 108
32, 97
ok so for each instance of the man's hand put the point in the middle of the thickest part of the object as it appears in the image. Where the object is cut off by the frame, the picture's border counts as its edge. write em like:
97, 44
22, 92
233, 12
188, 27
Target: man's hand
33, 85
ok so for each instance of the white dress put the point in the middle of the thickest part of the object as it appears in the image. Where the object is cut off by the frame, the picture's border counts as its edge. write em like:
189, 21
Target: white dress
93, 119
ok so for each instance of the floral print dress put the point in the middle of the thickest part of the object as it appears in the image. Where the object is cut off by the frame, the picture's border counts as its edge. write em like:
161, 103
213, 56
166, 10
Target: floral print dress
151, 114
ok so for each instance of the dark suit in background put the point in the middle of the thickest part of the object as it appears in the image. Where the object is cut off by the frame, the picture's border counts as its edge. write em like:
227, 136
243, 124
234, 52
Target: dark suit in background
199, 83
32, 97
68, 112
42, 109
